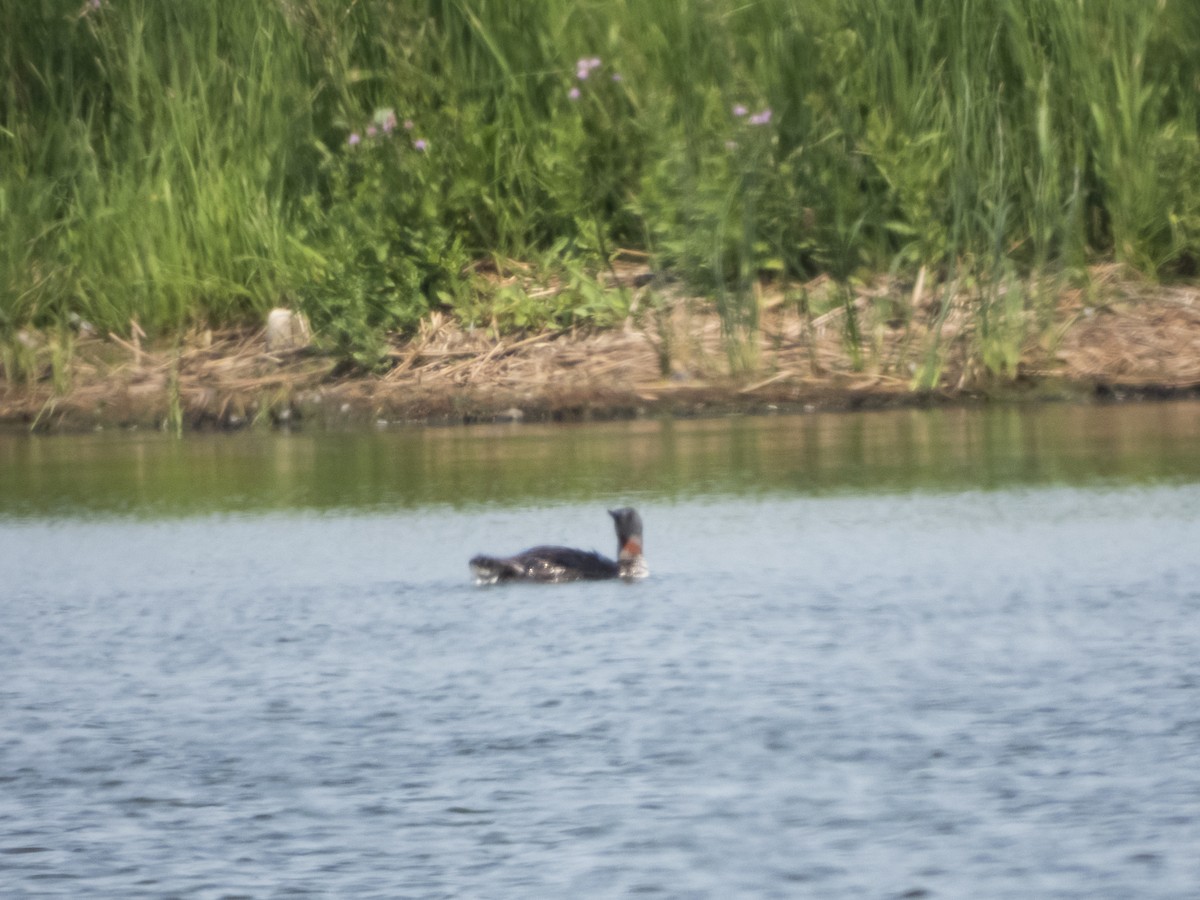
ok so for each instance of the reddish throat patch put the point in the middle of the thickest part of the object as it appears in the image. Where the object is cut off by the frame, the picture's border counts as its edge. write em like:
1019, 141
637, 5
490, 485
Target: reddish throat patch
632, 547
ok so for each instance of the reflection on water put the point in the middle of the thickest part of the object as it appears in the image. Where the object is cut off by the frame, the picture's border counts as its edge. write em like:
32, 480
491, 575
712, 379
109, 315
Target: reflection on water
941, 450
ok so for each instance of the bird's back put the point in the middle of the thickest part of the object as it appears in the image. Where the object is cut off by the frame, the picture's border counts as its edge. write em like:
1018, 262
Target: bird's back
548, 564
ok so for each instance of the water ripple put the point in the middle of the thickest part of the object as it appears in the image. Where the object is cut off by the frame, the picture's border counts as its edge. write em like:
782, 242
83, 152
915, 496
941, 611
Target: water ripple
989, 696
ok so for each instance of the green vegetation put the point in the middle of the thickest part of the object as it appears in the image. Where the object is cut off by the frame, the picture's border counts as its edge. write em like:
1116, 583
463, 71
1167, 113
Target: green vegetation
201, 161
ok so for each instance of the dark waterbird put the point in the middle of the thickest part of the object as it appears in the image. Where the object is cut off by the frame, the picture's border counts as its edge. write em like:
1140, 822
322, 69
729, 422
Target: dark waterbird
557, 564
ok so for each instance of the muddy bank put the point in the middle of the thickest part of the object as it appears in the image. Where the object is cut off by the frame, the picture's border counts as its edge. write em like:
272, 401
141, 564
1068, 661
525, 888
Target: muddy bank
1123, 340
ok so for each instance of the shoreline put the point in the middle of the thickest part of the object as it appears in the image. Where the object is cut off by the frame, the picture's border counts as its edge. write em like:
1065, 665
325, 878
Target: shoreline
1138, 342
334, 409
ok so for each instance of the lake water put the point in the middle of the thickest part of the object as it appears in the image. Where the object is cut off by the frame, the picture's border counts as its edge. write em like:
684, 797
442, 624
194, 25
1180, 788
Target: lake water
902, 654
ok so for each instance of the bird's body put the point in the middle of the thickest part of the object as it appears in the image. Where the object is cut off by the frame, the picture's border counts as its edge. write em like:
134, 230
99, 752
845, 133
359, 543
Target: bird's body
558, 564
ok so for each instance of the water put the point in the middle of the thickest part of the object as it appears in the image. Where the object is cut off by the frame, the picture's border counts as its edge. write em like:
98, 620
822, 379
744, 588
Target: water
961, 664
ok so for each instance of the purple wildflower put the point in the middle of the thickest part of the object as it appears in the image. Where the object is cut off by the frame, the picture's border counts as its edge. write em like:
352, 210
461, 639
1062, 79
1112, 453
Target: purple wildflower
616, 76
372, 131
421, 144
762, 118
354, 138
584, 66
573, 94
384, 120
739, 110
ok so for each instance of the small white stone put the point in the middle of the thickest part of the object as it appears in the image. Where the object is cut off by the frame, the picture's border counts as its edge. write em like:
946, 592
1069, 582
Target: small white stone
286, 330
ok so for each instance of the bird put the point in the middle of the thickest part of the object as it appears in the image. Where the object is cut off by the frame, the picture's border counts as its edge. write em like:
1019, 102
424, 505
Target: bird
558, 564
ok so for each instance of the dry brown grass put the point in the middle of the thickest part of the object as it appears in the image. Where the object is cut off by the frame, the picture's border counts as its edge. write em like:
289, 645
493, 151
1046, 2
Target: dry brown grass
1118, 333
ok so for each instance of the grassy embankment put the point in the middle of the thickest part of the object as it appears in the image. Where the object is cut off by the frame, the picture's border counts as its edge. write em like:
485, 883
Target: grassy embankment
166, 165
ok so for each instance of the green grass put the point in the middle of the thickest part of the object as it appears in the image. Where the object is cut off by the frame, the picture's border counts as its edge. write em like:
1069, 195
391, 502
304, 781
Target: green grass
184, 162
